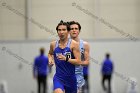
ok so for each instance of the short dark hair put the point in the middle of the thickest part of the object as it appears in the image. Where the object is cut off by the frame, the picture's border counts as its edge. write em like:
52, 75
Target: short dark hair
73, 22
42, 50
63, 23
107, 55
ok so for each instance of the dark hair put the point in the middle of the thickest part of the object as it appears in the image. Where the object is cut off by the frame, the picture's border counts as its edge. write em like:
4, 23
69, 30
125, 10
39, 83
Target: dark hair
73, 22
107, 55
63, 23
42, 50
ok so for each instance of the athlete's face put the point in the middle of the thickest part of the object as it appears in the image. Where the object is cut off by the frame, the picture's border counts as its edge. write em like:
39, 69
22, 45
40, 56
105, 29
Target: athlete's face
74, 31
62, 32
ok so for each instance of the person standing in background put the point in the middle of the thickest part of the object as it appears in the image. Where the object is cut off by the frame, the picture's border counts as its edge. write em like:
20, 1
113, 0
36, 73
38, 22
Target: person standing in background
40, 71
107, 70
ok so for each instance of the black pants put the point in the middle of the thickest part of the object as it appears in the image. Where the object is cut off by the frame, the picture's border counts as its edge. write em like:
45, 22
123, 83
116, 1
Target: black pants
85, 88
108, 78
42, 84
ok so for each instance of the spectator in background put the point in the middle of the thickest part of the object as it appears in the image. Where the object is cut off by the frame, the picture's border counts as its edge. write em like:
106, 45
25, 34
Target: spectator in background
3, 86
40, 71
107, 70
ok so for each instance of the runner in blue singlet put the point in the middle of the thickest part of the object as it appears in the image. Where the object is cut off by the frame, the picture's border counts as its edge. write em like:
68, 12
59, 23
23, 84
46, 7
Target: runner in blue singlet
65, 53
75, 29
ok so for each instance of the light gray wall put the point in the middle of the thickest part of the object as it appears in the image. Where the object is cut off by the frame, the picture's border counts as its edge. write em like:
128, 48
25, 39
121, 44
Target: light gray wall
123, 15
125, 55
12, 26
